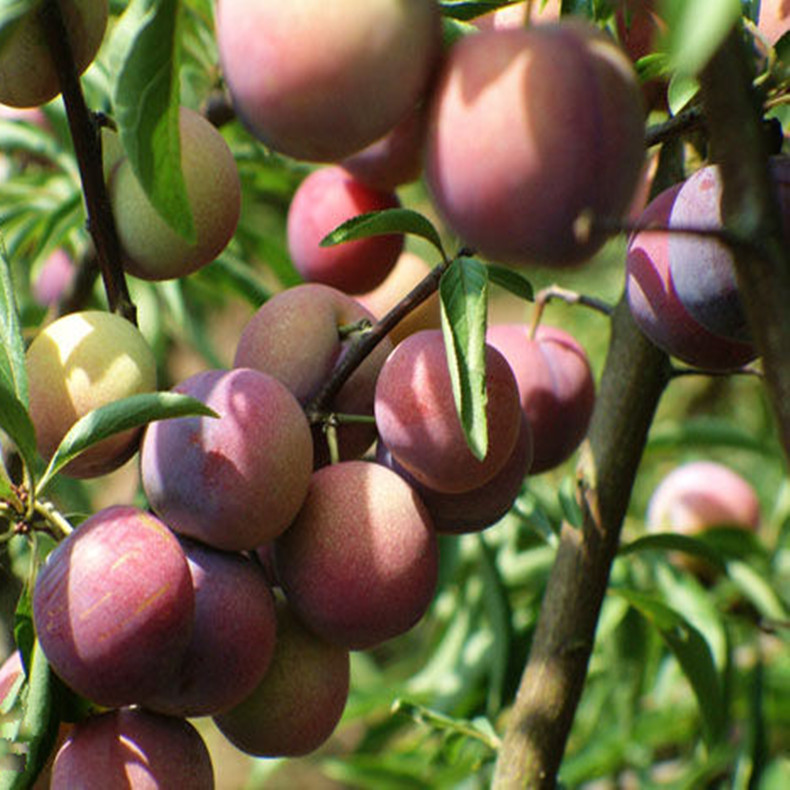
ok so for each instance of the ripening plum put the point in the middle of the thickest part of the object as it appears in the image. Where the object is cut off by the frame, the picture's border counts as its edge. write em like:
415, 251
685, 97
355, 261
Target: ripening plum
556, 387
152, 249
417, 418
133, 749
10, 671
533, 134
325, 199
774, 19
295, 337
300, 700
320, 85
113, 606
703, 269
236, 481
655, 305
360, 562
232, 636
76, 364
54, 278
409, 271
28, 77
393, 160
472, 511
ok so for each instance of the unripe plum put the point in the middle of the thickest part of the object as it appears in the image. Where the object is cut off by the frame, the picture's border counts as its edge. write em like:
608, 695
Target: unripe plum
655, 305
417, 418
232, 637
133, 749
325, 199
113, 606
300, 700
533, 133
236, 481
409, 271
472, 511
76, 364
359, 564
152, 249
555, 385
703, 269
294, 337
702, 494
395, 159
28, 76
321, 83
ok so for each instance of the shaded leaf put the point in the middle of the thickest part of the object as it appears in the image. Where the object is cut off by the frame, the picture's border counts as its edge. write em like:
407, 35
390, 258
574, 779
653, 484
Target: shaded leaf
147, 106
470, 10
692, 653
379, 223
463, 291
113, 418
16, 422
511, 281
12, 347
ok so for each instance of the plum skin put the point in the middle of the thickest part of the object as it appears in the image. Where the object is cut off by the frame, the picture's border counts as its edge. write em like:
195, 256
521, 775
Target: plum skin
236, 481
327, 198
360, 562
417, 419
113, 606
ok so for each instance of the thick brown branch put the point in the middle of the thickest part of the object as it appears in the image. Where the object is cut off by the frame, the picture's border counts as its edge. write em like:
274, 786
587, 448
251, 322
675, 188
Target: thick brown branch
634, 377
87, 148
750, 211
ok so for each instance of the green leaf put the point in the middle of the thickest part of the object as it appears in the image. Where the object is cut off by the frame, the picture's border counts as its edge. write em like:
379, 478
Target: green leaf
113, 418
463, 291
511, 281
671, 541
16, 422
147, 106
24, 632
469, 10
692, 653
378, 223
696, 29
11, 14
710, 432
12, 346
39, 727
442, 722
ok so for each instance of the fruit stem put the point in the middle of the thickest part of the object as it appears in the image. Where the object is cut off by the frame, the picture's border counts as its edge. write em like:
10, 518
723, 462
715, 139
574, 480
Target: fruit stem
87, 148
545, 295
364, 343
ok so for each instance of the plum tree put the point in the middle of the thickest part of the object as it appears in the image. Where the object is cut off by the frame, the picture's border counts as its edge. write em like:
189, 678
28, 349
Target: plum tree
654, 302
300, 700
295, 336
325, 199
113, 607
393, 160
702, 268
232, 636
236, 481
28, 77
133, 748
545, 123
152, 249
409, 270
76, 364
555, 385
416, 416
359, 564
472, 511
322, 90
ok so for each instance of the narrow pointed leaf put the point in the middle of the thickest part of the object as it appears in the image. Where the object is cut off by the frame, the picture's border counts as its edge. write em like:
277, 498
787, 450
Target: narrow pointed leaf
379, 223
470, 10
511, 281
463, 292
12, 347
147, 106
692, 653
131, 412
16, 422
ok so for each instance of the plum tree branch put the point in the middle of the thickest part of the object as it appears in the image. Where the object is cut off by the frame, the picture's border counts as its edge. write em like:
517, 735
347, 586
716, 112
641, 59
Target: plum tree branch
87, 148
634, 376
750, 211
